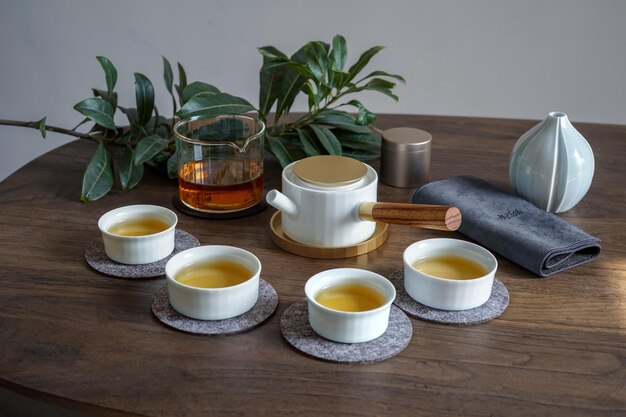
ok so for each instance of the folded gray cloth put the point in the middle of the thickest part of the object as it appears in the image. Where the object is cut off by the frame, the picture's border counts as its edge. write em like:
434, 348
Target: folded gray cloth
511, 226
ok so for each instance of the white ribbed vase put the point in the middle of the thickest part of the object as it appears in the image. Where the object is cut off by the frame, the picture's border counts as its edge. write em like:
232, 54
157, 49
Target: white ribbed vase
552, 165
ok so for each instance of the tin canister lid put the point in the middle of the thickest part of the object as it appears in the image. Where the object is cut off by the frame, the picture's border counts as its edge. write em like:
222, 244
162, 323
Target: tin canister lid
330, 170
406, 139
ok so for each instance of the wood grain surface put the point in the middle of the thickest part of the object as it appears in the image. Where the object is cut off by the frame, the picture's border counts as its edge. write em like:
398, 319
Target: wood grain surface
425, 216
74, 337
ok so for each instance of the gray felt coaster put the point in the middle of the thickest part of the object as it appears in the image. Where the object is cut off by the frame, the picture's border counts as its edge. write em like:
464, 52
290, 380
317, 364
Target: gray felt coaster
295, 327
261, 311
98, 260
494, 307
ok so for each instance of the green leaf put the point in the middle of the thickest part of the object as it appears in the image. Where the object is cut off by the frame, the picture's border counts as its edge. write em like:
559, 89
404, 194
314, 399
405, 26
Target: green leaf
131, 114
338, 79
276, 63
159, 125
42, 126
144, 95
313, 100
339, 52
341, 120
281, 152
327, 139
383, 74
317, 62
148, 147
302, 69
168, 75
198, 87
363, 60
323, 91
182, 83
172, 166
377, 84
385, 91
153, 123
111, 98
97, 129
110, 73
82, 122
271, 78
361, 155
364, 117
98, 110
291, 84
130, 174
362, 141
182, 76
159, 161
355, 103
310, 143
126, 137
272, 53
210, 105
98, 176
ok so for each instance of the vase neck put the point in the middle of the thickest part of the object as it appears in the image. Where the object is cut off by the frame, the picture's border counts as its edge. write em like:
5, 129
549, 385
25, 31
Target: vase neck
557, 118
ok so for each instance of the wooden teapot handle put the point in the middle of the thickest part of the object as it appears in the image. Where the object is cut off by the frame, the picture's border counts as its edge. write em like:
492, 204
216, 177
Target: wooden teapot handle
425, 216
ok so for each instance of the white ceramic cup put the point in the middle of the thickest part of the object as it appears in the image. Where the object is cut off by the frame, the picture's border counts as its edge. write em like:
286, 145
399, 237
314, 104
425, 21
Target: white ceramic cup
212, 303
448, 294
324, 216
343, 326
137, 250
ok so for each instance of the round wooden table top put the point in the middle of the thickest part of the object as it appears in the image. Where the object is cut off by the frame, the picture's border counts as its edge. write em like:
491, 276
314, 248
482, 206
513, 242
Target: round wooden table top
77, 338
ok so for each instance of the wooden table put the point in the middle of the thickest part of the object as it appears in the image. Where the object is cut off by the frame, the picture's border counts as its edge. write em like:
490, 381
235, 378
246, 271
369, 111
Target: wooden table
74, 337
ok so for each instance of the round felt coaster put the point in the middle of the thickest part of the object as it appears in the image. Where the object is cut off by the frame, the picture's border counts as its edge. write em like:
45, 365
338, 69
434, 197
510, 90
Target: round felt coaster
494, 307
261, 311
294, 324
98, 260
183, 208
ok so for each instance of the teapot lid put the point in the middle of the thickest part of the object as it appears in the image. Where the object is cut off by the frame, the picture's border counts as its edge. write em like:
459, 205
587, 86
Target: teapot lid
329, 170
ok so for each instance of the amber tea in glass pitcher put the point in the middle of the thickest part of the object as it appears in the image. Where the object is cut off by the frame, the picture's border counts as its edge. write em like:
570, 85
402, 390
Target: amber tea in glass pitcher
220, 162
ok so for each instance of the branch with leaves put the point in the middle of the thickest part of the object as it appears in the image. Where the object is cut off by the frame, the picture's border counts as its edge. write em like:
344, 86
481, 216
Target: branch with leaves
315, 70
147, 137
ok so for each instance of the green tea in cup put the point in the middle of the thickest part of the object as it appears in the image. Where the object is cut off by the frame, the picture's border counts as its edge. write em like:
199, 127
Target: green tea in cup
141, 226
350, 297
214, 274
450, 267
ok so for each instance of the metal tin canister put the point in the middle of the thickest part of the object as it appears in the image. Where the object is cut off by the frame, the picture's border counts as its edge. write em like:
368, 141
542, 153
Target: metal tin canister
405, 157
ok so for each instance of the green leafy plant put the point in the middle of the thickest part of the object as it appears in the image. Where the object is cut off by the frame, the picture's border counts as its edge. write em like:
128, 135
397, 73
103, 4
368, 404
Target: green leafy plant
316, 70
148, 137
145, 138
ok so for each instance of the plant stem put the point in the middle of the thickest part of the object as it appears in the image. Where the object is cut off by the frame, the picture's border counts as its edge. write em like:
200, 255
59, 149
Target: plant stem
310, 116
49, 128
173, 112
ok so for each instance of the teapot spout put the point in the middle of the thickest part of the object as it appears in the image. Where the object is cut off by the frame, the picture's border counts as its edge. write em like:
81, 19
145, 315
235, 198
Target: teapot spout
281, 202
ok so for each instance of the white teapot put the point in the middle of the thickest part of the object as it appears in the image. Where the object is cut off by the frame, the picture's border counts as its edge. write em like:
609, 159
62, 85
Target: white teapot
330, 201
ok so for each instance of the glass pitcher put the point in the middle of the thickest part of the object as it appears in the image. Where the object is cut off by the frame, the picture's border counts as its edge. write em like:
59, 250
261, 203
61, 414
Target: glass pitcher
220, 162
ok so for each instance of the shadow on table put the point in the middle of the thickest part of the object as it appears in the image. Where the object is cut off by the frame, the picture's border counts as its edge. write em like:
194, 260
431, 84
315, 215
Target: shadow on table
16, 405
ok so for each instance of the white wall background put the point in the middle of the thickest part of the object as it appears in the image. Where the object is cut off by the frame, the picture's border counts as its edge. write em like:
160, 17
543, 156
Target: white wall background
498, 58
